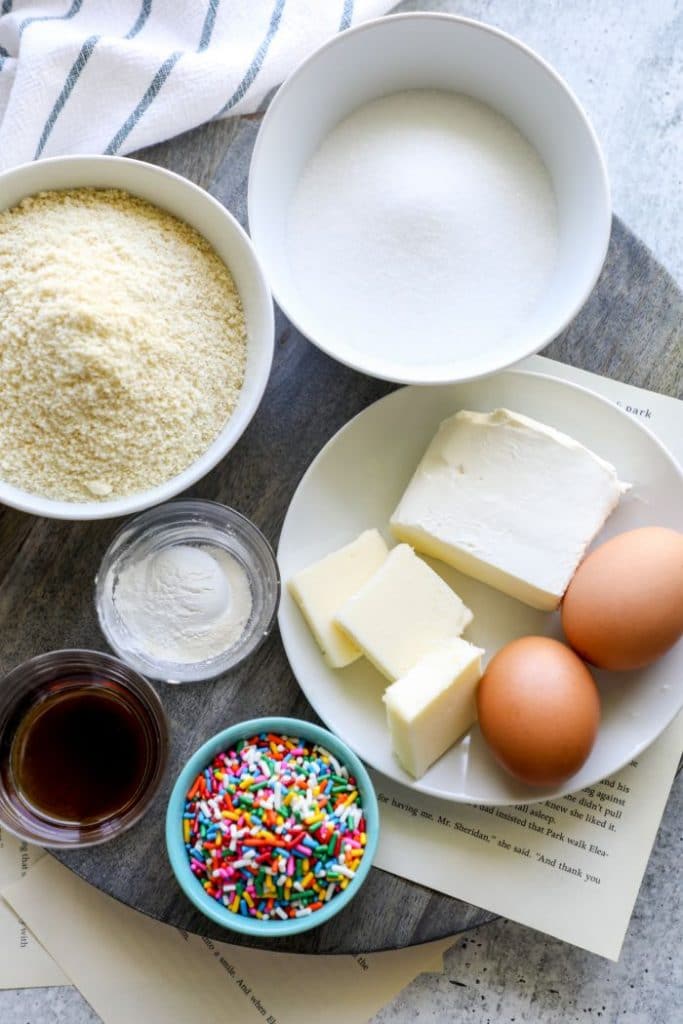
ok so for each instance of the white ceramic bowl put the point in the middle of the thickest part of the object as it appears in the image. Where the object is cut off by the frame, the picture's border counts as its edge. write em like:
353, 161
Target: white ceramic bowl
434, 51
196, 207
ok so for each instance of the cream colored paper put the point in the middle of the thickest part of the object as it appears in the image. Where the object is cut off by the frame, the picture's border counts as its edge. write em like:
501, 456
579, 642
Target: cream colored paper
570, 867
131, 968
24, 963
659, 413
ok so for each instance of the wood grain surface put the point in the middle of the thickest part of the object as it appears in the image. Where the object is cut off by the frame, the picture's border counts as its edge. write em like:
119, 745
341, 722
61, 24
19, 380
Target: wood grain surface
630, 329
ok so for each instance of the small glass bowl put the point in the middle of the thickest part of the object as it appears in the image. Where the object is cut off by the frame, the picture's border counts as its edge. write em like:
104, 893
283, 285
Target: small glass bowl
49, 675
190, 522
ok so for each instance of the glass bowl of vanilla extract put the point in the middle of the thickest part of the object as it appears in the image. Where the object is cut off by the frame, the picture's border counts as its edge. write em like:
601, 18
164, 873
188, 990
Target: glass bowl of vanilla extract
83, 747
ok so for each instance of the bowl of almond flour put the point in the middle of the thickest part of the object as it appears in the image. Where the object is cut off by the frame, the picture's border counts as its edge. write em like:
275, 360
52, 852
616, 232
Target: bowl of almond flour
136, 336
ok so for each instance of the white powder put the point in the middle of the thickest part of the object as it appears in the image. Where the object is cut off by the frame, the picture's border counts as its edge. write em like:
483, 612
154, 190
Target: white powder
423, 229
184, 604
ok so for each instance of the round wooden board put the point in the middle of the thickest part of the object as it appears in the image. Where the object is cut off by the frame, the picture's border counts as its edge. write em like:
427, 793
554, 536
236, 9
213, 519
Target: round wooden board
628, 330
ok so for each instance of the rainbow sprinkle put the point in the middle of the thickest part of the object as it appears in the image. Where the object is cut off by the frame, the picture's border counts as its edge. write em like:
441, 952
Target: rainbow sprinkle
274, 828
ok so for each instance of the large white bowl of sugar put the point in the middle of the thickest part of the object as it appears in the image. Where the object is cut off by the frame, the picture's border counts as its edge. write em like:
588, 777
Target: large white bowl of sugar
187, 203
428, 199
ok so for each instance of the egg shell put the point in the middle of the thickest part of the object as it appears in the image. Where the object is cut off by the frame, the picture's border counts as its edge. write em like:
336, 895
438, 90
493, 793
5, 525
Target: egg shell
539, 710
624, 607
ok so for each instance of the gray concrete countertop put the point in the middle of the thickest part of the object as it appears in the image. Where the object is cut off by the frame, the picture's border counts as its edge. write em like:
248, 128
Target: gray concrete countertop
621, 61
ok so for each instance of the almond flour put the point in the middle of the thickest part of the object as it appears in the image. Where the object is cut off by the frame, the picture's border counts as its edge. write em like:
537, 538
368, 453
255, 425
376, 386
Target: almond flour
122, 345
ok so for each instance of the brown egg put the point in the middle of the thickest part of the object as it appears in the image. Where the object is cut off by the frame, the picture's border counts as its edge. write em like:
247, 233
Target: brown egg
539, 710
624, 607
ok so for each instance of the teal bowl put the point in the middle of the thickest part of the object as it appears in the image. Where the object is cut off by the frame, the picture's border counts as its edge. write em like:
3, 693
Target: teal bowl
176, 847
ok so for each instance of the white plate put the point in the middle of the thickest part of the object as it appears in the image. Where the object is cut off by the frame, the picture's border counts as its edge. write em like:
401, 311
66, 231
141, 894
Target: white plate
355, 483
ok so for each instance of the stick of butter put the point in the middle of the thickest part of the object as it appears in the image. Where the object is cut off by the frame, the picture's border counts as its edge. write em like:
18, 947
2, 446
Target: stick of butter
322, 588
402, 611
509, 501
432, 705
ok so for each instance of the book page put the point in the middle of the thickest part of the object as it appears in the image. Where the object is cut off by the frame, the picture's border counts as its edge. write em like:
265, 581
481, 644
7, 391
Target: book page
660, 414
24, 963
570, 867
132, 968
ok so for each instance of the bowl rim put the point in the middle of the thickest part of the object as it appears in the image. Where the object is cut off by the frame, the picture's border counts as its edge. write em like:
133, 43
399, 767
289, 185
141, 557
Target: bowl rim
54, 508
175, 846
411, 376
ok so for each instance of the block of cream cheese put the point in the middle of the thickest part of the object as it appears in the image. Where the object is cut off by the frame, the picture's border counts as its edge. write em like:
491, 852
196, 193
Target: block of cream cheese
509, 501
403, 611
432, 705
322, 589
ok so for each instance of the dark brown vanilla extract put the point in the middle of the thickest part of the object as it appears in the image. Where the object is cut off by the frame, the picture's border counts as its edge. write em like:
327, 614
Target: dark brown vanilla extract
79, 753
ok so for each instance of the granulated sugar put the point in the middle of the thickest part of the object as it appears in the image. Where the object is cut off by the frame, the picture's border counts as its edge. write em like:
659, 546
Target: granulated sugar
122, 345
423, 228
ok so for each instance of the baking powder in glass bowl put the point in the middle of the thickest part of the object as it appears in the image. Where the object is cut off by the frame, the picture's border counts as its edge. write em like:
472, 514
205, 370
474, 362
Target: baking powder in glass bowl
185, 603
187, 591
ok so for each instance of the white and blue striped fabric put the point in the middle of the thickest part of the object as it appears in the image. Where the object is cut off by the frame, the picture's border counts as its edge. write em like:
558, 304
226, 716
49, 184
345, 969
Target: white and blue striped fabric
111, 76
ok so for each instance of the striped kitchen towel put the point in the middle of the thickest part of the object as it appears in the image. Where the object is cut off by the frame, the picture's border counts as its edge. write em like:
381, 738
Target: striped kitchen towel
111, 76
